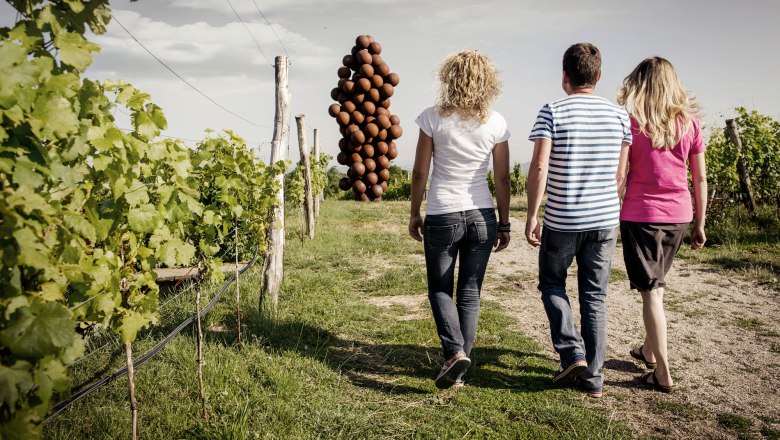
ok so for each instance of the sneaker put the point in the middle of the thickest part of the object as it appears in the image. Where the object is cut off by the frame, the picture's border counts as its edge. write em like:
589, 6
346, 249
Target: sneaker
567, 373
594, 393
451, 370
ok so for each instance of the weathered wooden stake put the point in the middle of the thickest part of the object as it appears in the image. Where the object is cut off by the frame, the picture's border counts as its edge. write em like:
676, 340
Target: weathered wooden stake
274, 271
742, 169
238, 291
300, 121
317, 197
199, 342
131, 382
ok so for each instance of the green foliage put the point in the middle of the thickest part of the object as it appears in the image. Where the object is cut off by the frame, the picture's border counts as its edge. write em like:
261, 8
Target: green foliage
399, 185
87, 211
517, 180
760, 136
332, 189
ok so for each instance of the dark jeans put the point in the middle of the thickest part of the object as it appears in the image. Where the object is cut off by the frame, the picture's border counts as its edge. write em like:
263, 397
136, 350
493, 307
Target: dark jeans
593, 251
470, 234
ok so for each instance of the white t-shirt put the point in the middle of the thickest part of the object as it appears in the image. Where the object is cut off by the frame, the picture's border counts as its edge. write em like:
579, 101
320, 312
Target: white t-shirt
461, 153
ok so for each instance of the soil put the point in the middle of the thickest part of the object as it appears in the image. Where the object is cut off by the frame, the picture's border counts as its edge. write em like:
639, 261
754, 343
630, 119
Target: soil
724, 345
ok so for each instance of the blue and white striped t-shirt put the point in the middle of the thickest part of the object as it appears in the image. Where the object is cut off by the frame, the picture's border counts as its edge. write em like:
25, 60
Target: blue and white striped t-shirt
587, 133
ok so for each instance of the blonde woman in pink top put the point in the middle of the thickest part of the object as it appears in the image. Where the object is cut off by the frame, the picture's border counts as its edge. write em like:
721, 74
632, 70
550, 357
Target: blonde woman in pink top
656, 209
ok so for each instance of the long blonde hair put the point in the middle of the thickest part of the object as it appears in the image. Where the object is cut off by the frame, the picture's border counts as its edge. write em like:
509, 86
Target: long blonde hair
469, 85
656, 99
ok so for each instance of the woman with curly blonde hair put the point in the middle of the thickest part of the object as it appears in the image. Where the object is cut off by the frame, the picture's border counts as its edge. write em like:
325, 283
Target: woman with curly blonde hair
460, 134
656, 209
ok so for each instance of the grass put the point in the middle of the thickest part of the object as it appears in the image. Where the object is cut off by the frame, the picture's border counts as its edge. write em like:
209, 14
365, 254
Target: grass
330, 365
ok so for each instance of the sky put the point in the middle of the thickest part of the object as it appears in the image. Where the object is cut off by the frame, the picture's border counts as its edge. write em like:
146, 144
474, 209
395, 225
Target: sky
724, 51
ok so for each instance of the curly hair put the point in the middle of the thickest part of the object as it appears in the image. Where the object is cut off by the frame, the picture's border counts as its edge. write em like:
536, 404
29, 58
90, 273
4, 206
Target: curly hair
661, 106
469, 85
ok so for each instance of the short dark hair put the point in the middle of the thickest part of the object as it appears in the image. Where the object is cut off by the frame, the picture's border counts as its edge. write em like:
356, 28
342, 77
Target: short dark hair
582, 63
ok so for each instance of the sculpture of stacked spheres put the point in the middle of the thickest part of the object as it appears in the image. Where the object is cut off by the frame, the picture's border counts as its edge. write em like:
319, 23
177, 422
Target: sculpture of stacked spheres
363, 114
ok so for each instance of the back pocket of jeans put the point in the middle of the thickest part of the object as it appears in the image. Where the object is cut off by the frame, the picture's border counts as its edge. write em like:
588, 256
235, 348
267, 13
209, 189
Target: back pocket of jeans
439, 237
483, 231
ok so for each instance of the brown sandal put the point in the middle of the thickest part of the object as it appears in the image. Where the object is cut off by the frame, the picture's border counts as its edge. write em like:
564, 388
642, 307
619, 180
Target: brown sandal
637, 354
654, 384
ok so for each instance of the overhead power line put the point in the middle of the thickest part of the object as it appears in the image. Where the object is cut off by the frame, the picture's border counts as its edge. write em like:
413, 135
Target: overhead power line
114, 18
249, 32
272, 28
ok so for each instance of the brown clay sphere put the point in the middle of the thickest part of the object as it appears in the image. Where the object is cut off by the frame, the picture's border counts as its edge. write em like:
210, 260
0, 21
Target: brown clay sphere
357, 117
362, 41
377, 190
356, 76
382, 111
348, 60
342, 98
364, 57
358, 137
334, 94
372, 129
344, 72
395, 120
351, 128
334, 110
363, 197
355, 148
355, 50
373, 95
393, 79
343, 118
359, 186
358, 169
384, 175
377, 61
395, 131
349, 107
374, 48
358, 98
392, 152
370, 164
383, 69
348, 87
364, 84
377, 81
383, 162
381, 147
366, 70
369, 107
343, 130
344, 145
371, 178
344, 183
341, 158
368, 150
385, 103
387, 90
382, 135
384, 122
370, 119
355, 158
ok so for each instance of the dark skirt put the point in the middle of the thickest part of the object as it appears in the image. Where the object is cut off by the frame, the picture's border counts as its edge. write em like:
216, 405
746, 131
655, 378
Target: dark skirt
648, 250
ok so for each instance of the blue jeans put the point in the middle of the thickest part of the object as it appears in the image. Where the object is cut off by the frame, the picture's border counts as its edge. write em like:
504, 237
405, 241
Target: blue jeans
471, 234
593, 251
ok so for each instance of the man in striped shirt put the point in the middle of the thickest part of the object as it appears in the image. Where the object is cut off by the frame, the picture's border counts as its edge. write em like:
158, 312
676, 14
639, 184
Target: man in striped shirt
578, 143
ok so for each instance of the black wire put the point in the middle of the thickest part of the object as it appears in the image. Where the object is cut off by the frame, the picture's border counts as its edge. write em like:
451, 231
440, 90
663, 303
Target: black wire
62, 405
272, 28
184, 80
249, 32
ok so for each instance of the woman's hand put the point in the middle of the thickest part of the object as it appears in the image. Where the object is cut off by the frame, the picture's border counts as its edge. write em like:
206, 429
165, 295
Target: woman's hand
533, 231
415, 225
698, 237
501, 242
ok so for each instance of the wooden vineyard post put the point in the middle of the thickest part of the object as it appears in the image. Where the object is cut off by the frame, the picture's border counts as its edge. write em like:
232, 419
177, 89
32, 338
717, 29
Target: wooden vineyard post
272, 275
131, 384
317, 197
300, 121
742, 169
199, 342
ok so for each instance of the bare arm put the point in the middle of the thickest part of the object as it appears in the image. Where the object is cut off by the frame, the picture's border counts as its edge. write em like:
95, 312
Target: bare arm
622, 170
699, 177
422, 165
537, 180
501, 174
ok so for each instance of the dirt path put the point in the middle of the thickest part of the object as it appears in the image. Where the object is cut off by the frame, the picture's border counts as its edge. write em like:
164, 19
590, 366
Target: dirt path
724, 346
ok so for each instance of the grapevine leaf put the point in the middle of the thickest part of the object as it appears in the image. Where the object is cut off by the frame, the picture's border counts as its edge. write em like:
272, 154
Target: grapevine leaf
75, 50
38, 330
142, 219
25, 174
132, 322
12, 379
50, 375
175, 252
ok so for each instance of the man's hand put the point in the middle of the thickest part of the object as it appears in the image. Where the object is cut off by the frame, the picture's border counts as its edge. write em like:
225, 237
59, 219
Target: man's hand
415, 225
533, 232
501, 242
